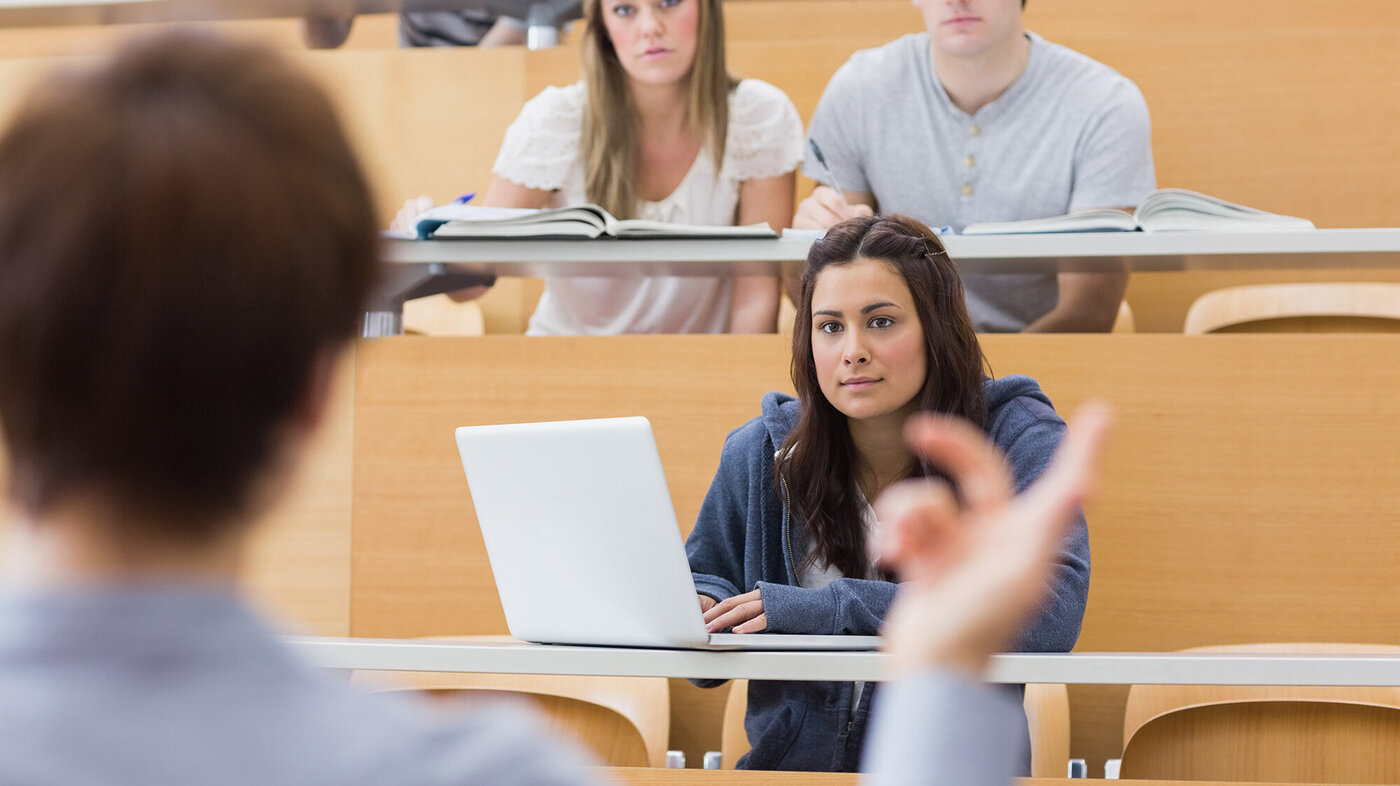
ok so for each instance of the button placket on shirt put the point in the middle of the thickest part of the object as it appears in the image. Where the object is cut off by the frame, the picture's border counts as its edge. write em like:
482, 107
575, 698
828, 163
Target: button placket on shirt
972, 148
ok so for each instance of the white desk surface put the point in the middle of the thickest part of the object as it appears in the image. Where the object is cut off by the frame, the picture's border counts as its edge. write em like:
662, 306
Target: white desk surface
1095, 668
1083, 252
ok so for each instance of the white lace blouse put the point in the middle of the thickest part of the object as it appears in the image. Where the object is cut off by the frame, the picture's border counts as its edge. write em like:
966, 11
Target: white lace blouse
542, 150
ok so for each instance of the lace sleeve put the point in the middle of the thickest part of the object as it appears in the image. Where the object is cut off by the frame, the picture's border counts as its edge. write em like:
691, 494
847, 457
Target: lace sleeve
543, 142
765, 132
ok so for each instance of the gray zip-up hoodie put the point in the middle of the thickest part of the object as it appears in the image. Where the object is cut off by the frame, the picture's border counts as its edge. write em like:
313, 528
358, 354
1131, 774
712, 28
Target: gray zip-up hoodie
747, 536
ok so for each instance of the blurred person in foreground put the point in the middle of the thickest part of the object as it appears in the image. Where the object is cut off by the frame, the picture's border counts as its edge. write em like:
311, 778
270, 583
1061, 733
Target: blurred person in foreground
167, 339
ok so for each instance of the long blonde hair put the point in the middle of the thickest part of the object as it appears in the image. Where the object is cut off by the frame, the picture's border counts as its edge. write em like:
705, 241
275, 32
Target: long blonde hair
611, 149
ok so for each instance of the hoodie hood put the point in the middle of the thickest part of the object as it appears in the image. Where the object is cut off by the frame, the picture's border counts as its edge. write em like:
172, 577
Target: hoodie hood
781, 411
780, 414
1004, 390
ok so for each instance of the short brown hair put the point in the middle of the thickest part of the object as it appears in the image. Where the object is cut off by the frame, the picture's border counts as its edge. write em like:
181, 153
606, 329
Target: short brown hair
184, 231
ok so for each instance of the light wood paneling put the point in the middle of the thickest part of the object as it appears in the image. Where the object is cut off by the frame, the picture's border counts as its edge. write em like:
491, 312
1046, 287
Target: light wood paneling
1248, 490
697, 718
425, 121
507, 306
415, 127
419, 568
369, 32
1244, 498
299, 562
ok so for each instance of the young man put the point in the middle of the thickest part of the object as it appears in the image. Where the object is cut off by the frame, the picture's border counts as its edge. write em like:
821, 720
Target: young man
203, 249
186, 246
979, 120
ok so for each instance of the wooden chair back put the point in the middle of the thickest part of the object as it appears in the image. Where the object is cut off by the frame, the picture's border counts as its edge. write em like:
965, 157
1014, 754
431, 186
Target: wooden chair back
625, 720
1124, 322
1324, 307
1272, 733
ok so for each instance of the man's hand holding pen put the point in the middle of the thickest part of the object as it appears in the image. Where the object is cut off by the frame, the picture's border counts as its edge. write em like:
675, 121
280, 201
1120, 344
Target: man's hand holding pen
825, 208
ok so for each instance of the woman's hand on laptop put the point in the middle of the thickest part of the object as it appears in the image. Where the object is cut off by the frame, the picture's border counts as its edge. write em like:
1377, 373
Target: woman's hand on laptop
972, 571
741, 613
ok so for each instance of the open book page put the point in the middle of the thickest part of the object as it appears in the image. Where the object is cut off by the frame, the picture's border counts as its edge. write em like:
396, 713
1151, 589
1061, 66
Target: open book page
1164, 210
578, 221
1093, 220
1180, 210
641, 229
583, 221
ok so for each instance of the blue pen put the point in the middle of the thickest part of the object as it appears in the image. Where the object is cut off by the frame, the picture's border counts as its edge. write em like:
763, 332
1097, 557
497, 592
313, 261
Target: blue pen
465, 198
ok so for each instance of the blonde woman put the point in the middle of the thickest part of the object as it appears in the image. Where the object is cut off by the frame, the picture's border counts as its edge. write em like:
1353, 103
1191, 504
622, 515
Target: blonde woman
657, 129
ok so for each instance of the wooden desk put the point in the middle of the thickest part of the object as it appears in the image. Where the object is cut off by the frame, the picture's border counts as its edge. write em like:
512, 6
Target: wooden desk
1086, 668
420, 268
1083, 251
1248, 489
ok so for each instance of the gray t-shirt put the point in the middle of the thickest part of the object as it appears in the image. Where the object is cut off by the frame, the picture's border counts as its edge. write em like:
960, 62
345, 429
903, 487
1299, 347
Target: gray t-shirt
1070, 133
173, 684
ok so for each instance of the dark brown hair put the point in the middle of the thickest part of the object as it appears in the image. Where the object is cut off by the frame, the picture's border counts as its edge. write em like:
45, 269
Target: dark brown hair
818, 454
184, 235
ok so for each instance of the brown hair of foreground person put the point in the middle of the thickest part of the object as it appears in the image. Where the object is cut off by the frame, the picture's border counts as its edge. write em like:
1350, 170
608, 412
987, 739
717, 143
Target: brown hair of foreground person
186, 240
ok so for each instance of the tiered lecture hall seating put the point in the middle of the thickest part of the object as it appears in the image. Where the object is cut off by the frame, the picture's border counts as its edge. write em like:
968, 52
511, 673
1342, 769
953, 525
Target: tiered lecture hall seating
1249, 492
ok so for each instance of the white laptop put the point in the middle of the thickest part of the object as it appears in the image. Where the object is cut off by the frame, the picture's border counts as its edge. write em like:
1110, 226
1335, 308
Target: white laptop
583, 539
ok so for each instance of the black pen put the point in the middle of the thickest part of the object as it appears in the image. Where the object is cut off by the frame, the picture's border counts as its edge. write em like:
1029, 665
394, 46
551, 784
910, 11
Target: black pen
821, 159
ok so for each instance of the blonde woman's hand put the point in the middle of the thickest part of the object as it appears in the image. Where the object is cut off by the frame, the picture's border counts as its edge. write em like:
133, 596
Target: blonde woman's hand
407, 217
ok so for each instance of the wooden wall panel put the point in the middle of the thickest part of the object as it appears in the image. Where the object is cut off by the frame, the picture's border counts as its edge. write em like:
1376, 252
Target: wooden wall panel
418, 563
424, 122
1247, 494
371, 31
299, 560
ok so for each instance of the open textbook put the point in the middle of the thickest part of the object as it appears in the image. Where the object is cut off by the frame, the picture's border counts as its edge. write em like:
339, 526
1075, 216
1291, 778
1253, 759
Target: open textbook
579, 221
1164, 210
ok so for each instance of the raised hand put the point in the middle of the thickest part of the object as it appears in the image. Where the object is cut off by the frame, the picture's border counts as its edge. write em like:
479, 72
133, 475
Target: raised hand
970, 573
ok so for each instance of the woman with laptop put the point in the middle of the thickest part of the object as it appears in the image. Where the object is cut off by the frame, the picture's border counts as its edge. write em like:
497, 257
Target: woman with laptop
657, 129
784, 542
